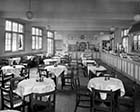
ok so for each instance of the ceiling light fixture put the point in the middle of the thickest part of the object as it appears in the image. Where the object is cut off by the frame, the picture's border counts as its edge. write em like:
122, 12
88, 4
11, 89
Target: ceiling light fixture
29, 13
112, 29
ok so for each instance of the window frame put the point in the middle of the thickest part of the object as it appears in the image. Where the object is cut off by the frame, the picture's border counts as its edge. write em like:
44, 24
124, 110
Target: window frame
50, 37
125, 36
12, 32
37, 37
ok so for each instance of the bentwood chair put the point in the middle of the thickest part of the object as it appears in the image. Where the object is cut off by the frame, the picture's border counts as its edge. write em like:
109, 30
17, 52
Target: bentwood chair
82, 95
44, 102
108, 104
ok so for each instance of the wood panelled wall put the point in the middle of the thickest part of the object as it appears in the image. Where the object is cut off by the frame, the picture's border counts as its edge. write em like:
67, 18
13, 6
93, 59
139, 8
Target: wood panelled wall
128, 67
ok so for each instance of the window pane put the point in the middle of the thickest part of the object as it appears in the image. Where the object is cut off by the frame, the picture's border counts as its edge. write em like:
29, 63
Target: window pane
15, 27
135, 37
40, 43
37, 31
33, 42
40, 32
20, 28
37, 42
8, 25
50, 46
8, 41
14, 42
20, 42
50, 34
33, 31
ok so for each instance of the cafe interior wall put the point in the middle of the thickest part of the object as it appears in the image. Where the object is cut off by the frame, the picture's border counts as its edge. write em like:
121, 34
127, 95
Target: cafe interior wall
73, 37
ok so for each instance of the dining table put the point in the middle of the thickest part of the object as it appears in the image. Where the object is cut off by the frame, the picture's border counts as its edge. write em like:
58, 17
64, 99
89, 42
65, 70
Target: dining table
12, 60
50, 60
85, 62
14, 69
104, 83
57, 69
96, 69
34, 85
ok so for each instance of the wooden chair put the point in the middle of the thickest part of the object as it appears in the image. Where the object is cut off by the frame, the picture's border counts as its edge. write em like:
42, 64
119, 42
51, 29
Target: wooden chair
82, 95
82, 68
127, 102
25, 72
67, 79
109, 104
91, 74
12, 101
14, 82
13, 85
42, 72
5, 78
44, 102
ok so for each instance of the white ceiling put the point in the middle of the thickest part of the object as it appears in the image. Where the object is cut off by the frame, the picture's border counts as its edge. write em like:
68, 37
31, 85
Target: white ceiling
99, 15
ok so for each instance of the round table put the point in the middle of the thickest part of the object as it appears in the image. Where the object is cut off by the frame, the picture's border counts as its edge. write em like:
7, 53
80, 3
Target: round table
15, 69
102, 84
29, 86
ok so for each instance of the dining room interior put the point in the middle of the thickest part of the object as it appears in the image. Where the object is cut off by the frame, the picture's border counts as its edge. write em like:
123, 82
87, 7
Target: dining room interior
69, 55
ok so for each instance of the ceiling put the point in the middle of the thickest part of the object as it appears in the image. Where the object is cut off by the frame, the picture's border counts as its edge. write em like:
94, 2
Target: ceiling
87, 15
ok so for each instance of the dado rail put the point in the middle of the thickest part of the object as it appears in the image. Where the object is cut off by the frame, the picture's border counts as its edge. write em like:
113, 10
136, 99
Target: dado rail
128, 67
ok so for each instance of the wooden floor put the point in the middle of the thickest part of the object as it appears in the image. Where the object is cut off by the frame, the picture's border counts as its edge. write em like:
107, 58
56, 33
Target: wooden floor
65, 99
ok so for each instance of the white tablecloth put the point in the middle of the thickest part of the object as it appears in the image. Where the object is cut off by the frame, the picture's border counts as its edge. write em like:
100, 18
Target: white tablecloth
94, 69
57, 70
47, 61
102, 84
29, 86
11, 60
15, 69
85, 61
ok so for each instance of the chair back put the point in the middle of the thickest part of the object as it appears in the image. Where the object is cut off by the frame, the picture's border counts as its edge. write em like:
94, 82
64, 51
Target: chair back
44, 100
53, 77
25, 72
6, 98
42, 72
11, 100
14, 82
108, 104
76, 83
91, 74
4, 78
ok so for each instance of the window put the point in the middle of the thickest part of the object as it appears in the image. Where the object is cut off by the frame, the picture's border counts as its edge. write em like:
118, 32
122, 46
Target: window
136, 42
14, 35
50, 42
124, 35
37, 36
